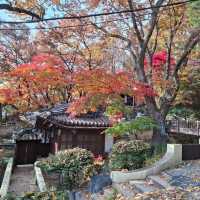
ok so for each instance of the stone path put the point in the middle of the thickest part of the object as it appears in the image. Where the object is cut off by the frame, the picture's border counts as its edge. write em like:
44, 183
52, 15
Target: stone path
185, 176
22, 181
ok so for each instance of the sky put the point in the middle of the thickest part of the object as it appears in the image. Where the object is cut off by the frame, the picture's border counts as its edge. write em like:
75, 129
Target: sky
10, 16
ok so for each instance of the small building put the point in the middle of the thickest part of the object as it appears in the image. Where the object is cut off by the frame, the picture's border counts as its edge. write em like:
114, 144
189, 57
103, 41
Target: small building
29, 146
55, 130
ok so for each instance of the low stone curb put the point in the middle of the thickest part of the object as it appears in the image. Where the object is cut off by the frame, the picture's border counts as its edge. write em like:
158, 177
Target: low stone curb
172, 157
39, 178
6, 179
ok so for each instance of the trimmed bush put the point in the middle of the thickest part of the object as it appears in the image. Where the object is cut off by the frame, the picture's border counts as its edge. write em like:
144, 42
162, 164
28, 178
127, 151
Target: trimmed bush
129, 155
57, 195
74, 165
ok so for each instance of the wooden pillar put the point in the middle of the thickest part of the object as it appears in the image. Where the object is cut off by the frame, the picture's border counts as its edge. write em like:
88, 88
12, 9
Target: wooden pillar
59, 138
198, 130
74, 138
56, 147
178, 126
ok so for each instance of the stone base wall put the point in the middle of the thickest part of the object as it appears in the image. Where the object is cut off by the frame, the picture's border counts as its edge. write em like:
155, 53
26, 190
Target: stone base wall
172, 158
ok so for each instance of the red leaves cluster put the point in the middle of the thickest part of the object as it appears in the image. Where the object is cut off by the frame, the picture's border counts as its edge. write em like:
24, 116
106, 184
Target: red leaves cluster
37, 83
6, 95
100, 87
100, 81
158, 69
40, 82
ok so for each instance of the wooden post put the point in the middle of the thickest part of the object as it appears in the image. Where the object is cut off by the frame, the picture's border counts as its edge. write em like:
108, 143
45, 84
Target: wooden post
178, 126
56, 147
198, 128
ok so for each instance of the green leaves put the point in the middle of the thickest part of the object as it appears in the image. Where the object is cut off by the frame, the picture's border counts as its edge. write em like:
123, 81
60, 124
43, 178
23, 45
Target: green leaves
74, 165
129, 155
117, 106
132, 127
194, 13
49, 195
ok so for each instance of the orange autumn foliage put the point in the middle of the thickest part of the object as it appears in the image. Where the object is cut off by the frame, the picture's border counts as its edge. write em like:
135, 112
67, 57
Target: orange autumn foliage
100, 87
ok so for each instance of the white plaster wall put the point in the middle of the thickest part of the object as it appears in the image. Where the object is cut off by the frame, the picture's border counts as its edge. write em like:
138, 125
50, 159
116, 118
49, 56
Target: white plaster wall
108, 143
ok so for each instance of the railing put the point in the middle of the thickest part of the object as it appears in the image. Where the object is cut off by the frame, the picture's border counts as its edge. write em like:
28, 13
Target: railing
185, 126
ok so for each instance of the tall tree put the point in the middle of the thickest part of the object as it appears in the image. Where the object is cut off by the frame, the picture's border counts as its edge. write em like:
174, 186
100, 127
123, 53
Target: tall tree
164, 25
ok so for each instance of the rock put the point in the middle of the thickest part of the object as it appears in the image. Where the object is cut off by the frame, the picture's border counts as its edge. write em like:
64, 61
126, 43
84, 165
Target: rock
125, 190
99, 182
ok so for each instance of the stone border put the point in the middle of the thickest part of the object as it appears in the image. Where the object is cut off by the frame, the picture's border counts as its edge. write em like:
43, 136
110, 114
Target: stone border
172, 157
39, 178
6, 179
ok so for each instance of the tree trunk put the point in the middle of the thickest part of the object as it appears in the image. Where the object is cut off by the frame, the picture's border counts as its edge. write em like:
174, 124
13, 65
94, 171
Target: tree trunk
1, 112
160, 136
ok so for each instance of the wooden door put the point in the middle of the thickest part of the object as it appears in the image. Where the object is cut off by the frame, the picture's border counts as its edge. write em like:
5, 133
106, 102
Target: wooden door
26, 152
91, 140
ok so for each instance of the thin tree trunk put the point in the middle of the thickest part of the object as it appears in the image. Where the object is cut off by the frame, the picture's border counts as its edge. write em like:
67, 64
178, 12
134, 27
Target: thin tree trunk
158, 138
160, 134
1, 112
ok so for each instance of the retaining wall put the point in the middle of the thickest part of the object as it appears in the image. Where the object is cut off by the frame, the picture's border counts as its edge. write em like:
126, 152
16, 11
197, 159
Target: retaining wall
6, 179
172, 157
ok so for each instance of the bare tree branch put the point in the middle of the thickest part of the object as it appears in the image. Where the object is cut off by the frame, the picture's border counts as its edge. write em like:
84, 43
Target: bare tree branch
193, 40
153, 23
19, 10
133, 17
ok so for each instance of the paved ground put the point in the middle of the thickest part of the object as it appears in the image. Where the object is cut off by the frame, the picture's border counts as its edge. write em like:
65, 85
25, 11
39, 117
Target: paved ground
187, 175
22, 181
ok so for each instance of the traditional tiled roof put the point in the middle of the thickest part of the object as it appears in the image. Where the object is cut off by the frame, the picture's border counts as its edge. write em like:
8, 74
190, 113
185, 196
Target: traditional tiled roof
27, 134
92, 119
81, 121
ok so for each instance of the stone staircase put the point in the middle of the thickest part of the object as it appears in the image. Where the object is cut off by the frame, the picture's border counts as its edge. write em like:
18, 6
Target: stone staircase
133, 188
22, 180
171, 180
150, 184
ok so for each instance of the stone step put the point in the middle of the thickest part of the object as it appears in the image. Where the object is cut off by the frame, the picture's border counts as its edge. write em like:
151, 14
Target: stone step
25, 166
160, 182
137, 182
125, 189
165, 176
144, 186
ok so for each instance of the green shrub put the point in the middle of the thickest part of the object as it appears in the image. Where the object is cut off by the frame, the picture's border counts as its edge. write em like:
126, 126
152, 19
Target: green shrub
135, 126
49, 195
129, 155
76, 166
